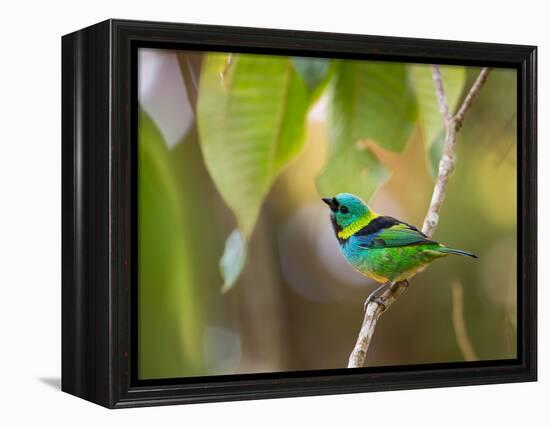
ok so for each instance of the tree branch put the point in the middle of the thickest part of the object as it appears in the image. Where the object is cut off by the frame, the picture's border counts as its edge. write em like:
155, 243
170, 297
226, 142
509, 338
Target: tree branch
375, 309
459, 325
472, 94
440, 94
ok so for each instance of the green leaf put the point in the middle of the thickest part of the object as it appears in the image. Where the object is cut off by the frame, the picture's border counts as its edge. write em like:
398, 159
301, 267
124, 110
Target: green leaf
315, 72
232, 261
170, 318
431, 121
371, 100
352, 170
251, 114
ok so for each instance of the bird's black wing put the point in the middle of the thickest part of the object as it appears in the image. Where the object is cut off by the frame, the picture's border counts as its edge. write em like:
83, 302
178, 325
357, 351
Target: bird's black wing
387, 231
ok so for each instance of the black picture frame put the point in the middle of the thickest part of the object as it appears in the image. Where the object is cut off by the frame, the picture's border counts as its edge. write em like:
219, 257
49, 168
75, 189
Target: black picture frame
99, 206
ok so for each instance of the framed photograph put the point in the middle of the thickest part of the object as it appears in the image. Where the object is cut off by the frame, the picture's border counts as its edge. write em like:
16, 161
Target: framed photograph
253, 213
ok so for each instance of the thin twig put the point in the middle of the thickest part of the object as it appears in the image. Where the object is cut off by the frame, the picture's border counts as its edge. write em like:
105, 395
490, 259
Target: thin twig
476, 87
459, 325
440, 94
446, 165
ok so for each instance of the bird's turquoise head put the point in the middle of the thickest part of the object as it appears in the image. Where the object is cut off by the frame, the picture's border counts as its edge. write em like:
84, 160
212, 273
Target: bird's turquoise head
346, 209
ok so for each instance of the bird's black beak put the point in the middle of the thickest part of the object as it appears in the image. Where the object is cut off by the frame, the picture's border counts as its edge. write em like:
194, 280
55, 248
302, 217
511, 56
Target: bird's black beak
331, 202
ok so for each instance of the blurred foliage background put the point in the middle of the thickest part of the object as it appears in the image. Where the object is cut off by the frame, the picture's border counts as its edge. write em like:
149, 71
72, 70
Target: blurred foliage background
239, 270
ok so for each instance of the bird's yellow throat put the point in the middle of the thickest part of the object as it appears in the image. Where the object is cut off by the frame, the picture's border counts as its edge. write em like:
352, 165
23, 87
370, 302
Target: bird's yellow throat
356, 226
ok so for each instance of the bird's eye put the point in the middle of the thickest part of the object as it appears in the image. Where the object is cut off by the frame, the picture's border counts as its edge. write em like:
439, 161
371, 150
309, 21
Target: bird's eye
344, 210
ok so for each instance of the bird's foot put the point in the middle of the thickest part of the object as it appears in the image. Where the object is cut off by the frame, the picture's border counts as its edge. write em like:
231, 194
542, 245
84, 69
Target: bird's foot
380, 302
376, 297
404, 283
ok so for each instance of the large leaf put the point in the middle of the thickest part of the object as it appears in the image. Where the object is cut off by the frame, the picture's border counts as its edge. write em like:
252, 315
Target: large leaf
251, 113
371, 101
315, 72
352, 170
170, 320
431, 121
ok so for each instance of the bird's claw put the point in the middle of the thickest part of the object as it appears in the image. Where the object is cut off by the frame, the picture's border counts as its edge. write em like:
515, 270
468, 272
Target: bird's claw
376, 295
374, 299
380, 302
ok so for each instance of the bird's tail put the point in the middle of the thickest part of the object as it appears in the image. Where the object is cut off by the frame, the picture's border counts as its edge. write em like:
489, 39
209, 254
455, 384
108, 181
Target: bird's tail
458, 252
